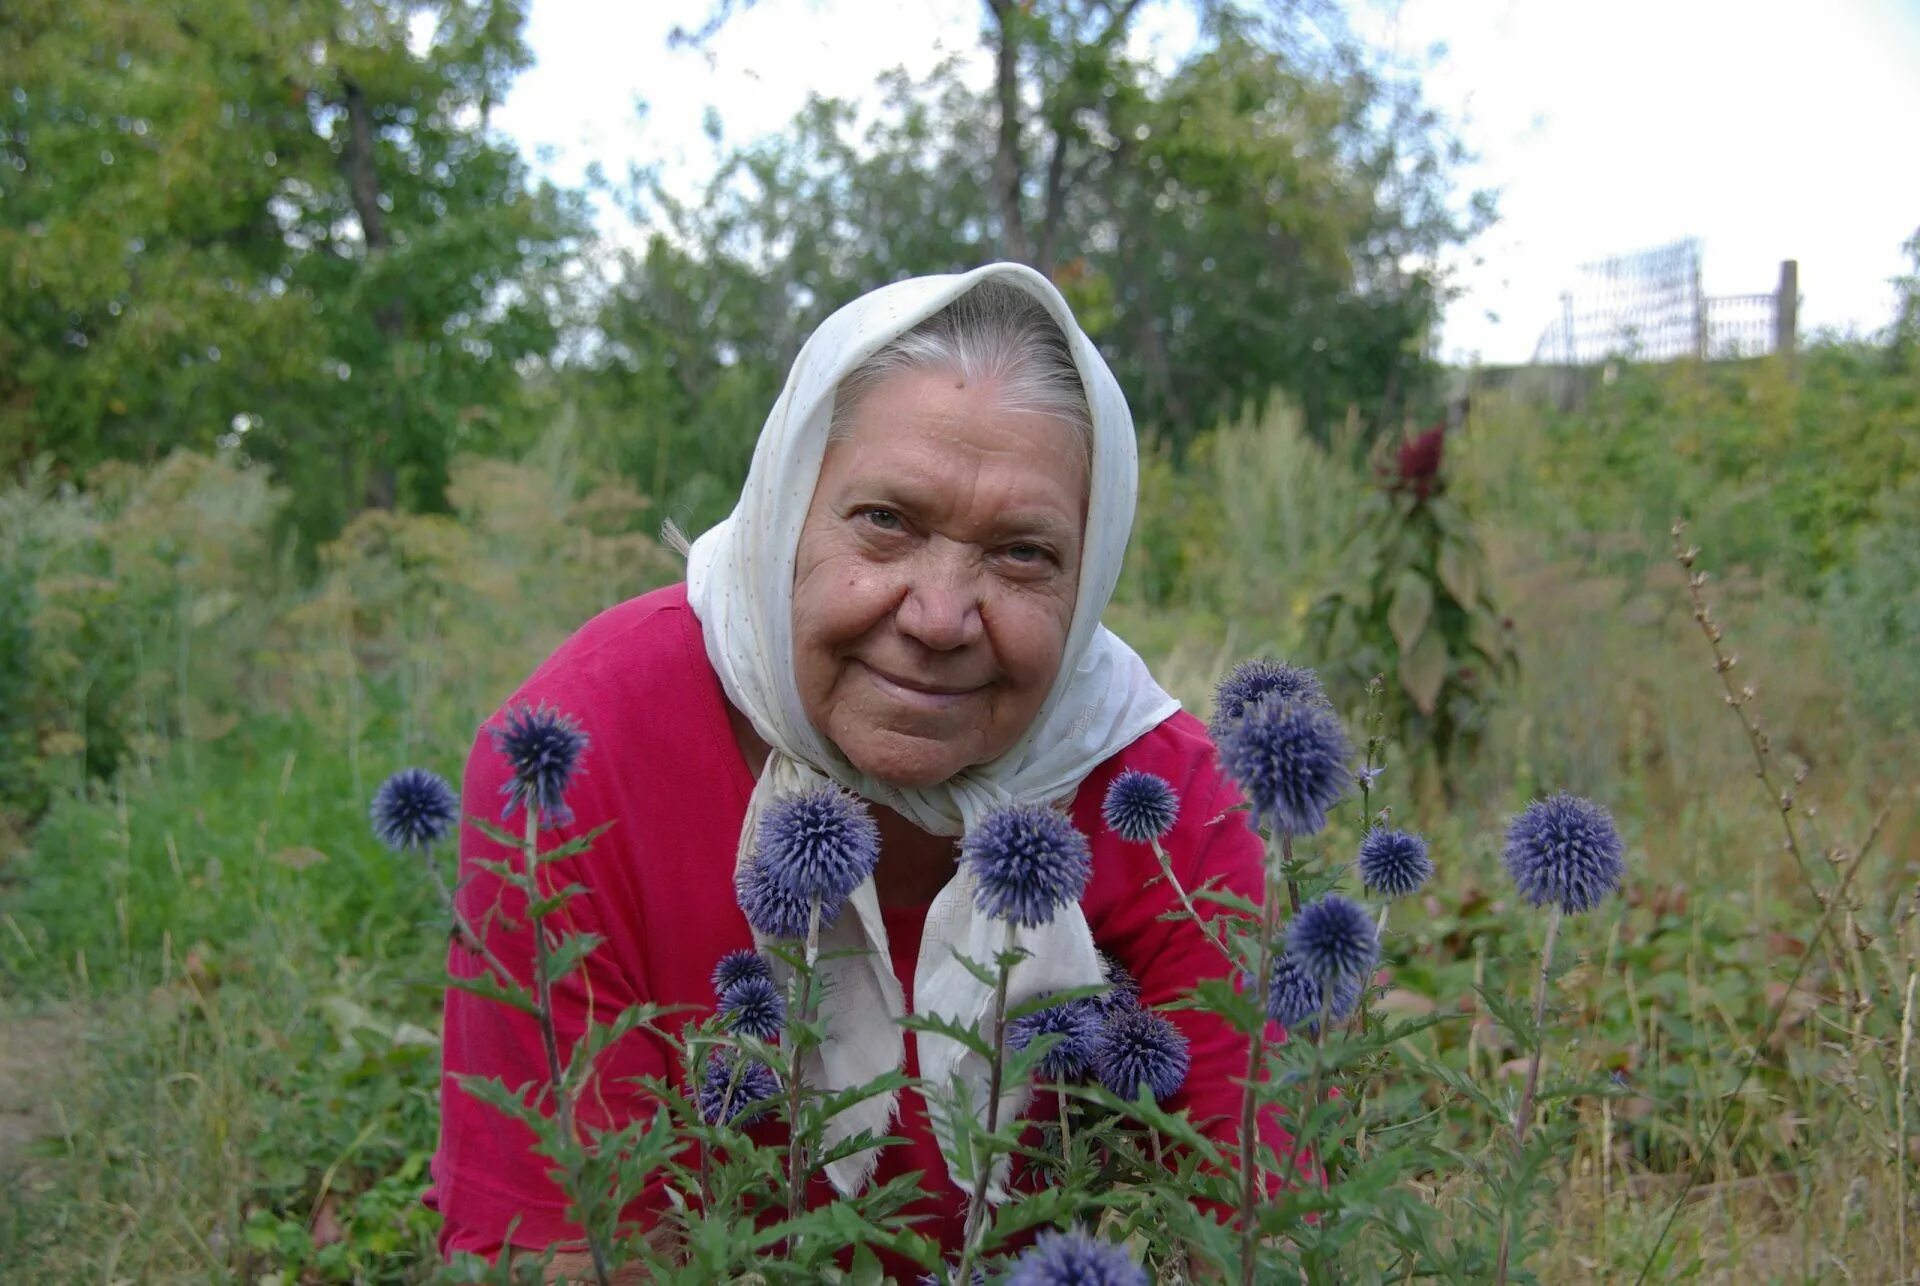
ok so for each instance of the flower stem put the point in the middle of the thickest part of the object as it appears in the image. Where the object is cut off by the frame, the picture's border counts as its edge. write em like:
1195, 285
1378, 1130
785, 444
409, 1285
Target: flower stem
1523, 1114
1256, 1059
796, 1178
977, 1201
550, 1038
1193, 912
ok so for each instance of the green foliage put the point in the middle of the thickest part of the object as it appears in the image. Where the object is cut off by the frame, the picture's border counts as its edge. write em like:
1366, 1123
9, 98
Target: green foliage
291, 232
1792, 470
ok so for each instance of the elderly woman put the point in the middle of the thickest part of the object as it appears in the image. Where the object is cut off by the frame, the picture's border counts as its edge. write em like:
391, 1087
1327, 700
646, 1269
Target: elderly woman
906, 601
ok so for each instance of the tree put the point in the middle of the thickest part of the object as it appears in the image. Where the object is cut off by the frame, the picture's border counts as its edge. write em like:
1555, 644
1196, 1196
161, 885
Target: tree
1266, 216
285, 228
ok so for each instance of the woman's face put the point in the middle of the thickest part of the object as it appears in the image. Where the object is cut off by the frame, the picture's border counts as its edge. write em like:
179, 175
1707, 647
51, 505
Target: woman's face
936, 576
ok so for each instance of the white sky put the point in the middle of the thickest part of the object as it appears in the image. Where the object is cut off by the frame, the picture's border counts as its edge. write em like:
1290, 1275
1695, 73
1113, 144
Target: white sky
1770, 129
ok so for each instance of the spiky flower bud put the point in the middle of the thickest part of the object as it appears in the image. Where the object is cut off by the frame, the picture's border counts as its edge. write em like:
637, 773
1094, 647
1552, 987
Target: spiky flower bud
542, 748
735, 1090
820, 843
414, 809
1139, 1047
1253, 681
1290, 759
1564, 850
1332, 940
1140, 807
754, 1007
775, 910
1393, 863
1294, 999
1076, 1022
1075, 1259
738, 966
1029, 862
1123, 989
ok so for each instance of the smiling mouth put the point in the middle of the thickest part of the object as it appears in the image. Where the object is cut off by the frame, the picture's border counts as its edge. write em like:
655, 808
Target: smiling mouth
913, 692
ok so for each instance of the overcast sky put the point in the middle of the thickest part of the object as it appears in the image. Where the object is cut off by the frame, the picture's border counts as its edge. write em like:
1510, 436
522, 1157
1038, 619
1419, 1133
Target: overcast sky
1769, 129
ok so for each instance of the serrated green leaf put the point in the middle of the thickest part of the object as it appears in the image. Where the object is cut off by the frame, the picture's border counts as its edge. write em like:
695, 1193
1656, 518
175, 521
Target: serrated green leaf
488, 987
567, 957
1411, 608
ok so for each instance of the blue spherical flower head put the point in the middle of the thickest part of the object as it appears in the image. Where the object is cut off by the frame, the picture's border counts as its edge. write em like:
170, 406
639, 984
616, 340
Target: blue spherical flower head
414, 809
775, 910
1028, 862
738, 966
1076, 1022
1254, 681
754, 1007
1123, 989
1294, 999
542, 748
818, 843
1394, 863
1075, 1259
1140, 807
1564, 850
735, 1091
1332, 940
1139, 1047
1290, 758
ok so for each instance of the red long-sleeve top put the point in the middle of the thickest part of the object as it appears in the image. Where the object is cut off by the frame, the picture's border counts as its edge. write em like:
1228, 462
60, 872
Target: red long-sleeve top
663, 766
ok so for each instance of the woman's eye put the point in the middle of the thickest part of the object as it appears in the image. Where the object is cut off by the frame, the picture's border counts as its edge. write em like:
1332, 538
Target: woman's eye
1026, 553
884, 519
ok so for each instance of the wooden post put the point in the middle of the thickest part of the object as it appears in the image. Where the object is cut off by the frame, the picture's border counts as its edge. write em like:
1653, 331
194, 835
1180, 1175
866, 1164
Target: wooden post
1786, 313
1570, 354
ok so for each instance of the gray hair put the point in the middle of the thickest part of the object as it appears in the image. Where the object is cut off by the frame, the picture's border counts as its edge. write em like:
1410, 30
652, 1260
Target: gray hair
995, 332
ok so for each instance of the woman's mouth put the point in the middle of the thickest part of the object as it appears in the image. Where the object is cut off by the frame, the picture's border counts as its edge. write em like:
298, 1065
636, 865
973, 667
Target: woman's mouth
919, 693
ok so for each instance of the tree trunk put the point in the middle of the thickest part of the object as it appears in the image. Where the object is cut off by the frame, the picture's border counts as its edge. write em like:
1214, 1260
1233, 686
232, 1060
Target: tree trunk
1007, 168
389, 317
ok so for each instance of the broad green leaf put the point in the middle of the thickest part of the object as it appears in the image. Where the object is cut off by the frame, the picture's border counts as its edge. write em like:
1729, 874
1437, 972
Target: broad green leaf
1459, 572
1423, 670
1412, 606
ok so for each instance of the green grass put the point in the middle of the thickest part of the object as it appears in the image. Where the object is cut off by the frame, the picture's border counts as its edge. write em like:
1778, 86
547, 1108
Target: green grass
245, 986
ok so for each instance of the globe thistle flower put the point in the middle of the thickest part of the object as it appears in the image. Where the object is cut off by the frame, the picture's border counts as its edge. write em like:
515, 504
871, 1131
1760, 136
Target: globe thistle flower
1075, 1259
738, 966
1029, 861
413, 809
1252, 681
542, 748
977, 1277
819, 843
754, 1007
1076, 1022
1393, 863
725, 1099
775, 910
1294, 999
1290, 758
1564, 850
1140, 807
1139, 1047
1123, 989
1333, 938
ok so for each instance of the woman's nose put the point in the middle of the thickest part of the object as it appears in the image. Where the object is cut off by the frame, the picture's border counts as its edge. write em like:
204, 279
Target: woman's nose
941, 608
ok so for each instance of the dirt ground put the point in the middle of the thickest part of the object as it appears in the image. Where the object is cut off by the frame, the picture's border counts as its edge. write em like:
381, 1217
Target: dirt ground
30, 1069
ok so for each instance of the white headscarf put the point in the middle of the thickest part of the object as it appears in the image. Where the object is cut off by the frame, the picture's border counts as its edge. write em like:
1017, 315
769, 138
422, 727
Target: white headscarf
740, 584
